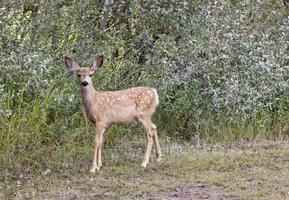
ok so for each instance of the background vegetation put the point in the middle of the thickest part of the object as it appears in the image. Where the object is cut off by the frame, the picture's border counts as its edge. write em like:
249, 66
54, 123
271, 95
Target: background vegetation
221, 69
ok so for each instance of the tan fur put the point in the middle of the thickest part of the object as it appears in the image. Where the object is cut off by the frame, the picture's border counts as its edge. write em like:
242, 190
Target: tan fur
107, 107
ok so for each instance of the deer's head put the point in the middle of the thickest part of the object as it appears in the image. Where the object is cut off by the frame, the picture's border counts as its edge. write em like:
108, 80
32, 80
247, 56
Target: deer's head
84, 74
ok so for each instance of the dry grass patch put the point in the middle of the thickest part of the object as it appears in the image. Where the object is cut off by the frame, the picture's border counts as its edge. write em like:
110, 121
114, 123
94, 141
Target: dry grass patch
229, 172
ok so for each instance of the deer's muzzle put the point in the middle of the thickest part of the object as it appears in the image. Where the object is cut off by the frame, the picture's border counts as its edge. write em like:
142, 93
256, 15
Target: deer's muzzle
84, 83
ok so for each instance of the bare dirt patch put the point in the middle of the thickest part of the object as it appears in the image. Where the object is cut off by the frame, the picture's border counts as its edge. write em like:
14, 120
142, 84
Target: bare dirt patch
194, 192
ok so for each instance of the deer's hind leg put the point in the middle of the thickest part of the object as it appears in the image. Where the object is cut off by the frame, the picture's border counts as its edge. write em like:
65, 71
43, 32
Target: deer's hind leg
156, 142
150, 130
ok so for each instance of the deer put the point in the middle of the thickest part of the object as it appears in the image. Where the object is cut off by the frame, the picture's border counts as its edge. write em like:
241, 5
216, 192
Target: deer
104, 108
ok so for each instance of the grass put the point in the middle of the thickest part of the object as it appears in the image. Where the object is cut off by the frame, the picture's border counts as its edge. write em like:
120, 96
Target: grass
244, 170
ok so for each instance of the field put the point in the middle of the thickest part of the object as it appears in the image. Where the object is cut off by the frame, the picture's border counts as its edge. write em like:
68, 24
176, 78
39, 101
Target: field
243, 170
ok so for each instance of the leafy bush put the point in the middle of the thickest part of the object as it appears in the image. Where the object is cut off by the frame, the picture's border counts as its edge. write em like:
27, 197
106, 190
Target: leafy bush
215, 63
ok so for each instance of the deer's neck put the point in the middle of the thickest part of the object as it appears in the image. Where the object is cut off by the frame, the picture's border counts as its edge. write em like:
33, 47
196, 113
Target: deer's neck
88, 94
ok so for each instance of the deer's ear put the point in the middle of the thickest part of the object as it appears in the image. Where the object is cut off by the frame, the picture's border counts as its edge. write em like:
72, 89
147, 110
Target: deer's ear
70, 64
96, 63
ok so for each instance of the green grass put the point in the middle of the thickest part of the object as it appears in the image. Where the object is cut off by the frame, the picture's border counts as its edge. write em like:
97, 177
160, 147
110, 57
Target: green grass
256, 170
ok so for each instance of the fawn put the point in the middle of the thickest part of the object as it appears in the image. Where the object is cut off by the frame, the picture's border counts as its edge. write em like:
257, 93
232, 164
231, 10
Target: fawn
106, 107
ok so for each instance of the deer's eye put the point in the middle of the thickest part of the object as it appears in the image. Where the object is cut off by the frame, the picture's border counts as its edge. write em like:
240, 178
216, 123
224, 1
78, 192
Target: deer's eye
90, 75
78, 75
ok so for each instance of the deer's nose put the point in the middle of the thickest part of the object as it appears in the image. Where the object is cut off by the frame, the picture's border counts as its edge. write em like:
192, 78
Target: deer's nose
84, 83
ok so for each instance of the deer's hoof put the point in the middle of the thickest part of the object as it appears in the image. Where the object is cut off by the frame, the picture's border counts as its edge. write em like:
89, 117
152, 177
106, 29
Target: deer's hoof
93, 169
159, 157
144, 165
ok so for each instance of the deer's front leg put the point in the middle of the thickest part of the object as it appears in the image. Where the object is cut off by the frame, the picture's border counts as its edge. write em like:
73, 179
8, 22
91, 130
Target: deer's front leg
99, 160
97, 144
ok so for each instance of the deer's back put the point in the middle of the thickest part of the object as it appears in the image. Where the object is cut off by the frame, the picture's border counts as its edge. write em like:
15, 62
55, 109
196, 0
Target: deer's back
126, 105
